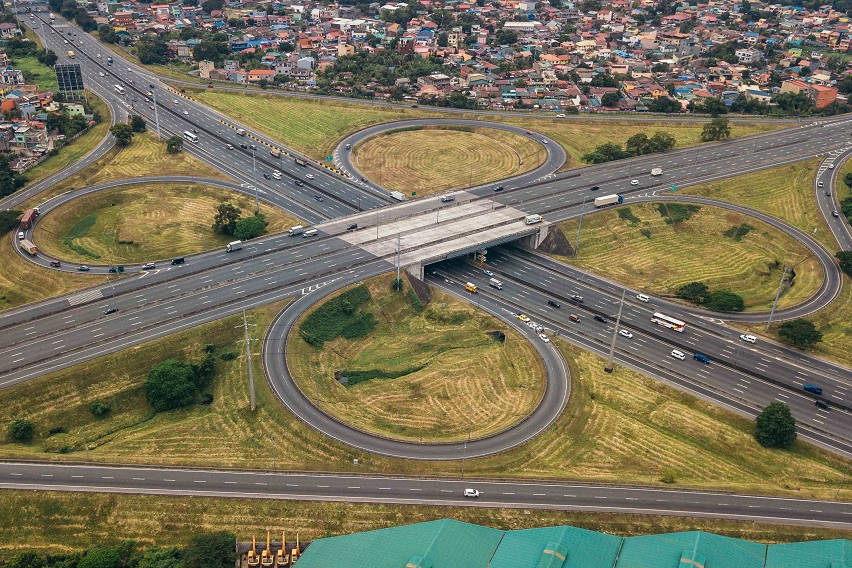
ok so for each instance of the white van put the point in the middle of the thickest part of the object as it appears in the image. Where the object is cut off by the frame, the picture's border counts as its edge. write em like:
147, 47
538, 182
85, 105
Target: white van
643, 298
309, 233
678, 354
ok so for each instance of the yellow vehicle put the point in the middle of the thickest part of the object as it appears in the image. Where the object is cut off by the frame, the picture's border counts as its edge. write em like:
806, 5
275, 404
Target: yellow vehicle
275, 152
294, 553
282, 559
266, 557
70, 54
471, 287
252, 557
523, 317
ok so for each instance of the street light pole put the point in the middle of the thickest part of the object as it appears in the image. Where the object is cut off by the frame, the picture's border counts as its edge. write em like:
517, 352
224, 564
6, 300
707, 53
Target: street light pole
608, 367
777, 295
579, 226
248, 356
253, 163
156, 109
464, 454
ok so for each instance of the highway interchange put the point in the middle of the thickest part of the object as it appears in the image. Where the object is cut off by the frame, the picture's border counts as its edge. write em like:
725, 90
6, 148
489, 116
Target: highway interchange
64, 331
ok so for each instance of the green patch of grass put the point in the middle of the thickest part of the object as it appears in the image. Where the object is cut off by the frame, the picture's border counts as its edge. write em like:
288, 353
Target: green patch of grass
737, 233
626, 214
35, 72
339, 317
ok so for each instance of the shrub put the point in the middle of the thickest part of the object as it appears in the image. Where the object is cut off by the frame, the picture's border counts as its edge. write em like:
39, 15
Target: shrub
626, 214
844, 257
169, 385
99, 409
799, 332
339, 317
228, 356
415, 301
775, 427
21, 430
646, 233
694, 292
675, 213
210, 550
103, 557
737, 233
724, 301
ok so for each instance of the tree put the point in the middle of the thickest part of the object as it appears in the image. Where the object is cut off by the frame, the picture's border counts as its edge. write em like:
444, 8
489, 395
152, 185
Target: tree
801, 333
102, 557
716, 129
226, 219
694, 292
844, 257
847, 179
506, 37
123, 134
107, 34
724, 301
775, 426
664, 104
10, 181
610, 99
604, 80
443, 39
250, 227
638, 144
137, 123
210, 550
170, 385
660, 142
152, 50
160, 558
845, 85
9, 219
174, 144
29, 559
21, 430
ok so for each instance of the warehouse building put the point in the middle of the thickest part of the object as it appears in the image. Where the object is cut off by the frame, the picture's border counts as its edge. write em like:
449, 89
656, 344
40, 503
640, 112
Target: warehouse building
446, 543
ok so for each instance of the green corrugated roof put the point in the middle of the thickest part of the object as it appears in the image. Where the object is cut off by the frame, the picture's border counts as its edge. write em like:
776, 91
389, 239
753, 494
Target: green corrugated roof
814, 554
444, 543
586, 549
696, 547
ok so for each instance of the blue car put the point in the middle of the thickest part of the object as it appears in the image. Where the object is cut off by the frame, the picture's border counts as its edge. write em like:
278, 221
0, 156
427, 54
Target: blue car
813, 388
702, 358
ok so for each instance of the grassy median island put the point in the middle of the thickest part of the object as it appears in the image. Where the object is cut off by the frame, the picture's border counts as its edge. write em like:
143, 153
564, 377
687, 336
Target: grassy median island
638, 246
59, 523
413, 371
144, 222
433, 159
283, 118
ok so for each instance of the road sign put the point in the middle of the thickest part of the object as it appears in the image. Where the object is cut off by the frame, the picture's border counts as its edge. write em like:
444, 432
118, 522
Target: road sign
674, 187
328, 158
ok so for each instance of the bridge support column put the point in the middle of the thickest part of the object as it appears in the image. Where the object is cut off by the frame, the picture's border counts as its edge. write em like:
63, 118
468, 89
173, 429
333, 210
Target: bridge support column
416, 270
533, 241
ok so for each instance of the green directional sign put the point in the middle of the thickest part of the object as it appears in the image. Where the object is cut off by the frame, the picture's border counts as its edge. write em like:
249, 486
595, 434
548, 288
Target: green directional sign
413, 194
674, 187
328, 158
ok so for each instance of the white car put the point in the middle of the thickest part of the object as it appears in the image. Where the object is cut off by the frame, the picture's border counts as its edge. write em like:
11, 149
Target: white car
748, 337
678, 354
471, 492
625, 333
560, 115
544, 338
175, 101
20, 235
831, 166
98, 56
634, 182
186, 112
643, 298
488, 273
309, 176
100, 74
531, 324
129, 70
276, 174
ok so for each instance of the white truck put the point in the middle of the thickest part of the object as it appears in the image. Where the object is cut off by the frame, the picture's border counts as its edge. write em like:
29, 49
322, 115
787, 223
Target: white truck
297, 230
606, 200
234, 245
532, 219
495, 283
657, 171
398, 195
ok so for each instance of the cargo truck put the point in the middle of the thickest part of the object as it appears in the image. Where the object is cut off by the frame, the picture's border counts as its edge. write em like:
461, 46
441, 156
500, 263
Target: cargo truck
28, 218
398, 195
234, 245
495, 283
28, 246
614, 199
532, 219
297, 230
301, 162
275, 152
657, 172
471, 287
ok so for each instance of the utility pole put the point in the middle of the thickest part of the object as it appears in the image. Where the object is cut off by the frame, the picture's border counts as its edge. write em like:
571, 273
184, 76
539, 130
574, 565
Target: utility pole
253, 163
248, 356
156, 109
464, 453
608, 367
256, 204
85, 441
397, 262
579, 226
777, 295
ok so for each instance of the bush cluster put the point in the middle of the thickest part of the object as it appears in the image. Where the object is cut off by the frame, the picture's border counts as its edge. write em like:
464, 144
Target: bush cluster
719, 301
339, 317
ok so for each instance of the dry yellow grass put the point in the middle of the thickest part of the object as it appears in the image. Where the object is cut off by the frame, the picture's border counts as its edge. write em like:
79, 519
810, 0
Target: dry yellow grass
57, 523
432, 160
145, 222
621, 427
659, 257
469, 382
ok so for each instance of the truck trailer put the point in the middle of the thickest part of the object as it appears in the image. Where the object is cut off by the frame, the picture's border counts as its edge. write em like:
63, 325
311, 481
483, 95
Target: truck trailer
605, 200
495, 283
29, 247
234, 245
28, 218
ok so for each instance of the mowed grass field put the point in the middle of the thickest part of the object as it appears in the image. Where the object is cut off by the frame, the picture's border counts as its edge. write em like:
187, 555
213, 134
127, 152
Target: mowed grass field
432, 160
470, 382
787, 192
144, 222
56, 523
636, 247
621, 427
146, 156
77, 149
314, 127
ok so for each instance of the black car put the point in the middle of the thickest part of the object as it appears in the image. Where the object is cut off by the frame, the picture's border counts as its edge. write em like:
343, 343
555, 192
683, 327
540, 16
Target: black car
110, 311
178, 260
594, 188
300, 183
117, 268
267, 176
244, 146
601, 319
352, 227
498, 188
318, 197
553, 304
821, 403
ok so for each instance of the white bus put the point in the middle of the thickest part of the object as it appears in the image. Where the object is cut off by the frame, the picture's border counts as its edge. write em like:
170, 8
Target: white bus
666, 321
119, 89
187, 135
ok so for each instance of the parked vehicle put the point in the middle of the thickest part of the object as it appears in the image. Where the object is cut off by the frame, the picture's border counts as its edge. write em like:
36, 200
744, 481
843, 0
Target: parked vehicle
297, 230
606, 200
28, 246
234, 246
494, 283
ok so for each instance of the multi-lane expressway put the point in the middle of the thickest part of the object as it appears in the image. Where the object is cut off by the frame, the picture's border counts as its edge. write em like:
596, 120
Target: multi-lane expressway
61, 332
